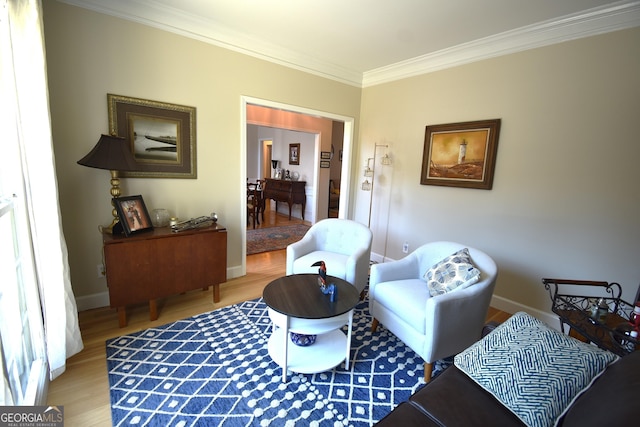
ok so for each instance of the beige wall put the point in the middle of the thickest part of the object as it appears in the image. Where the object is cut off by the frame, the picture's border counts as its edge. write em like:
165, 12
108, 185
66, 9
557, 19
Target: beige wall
565, 200
90, 55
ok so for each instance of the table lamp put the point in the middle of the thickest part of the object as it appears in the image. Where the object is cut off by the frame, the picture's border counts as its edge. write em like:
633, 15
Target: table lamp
113, 154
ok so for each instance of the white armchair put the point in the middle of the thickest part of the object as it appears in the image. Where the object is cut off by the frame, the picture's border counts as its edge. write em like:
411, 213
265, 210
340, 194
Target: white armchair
344, 246
433, 327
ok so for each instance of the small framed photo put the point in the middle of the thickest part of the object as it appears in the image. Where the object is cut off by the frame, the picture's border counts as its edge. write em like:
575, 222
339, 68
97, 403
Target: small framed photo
133, 214
325, 164
294, 154
325, 155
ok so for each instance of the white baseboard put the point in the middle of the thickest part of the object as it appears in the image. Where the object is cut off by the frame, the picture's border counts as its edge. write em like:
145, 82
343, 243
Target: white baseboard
88, 302
512, 307
101, 299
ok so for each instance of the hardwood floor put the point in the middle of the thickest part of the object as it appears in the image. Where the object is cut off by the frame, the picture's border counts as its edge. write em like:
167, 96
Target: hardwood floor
273, 219
83, 389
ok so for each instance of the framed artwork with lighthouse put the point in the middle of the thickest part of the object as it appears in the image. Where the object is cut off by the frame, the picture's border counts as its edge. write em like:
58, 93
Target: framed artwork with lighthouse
460, 154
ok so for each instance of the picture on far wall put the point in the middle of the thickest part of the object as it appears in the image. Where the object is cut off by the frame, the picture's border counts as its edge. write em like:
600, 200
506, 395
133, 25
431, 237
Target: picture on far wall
460, 154
294, 154
162, 136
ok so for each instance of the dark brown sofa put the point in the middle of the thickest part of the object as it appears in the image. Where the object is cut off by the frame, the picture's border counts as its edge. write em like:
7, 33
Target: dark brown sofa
453, 399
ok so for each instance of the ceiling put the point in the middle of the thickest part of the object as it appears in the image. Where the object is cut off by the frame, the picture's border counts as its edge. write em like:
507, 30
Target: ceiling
367, 42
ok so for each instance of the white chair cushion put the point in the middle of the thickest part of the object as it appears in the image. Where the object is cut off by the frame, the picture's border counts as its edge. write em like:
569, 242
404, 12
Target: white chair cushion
335, 263
406, 299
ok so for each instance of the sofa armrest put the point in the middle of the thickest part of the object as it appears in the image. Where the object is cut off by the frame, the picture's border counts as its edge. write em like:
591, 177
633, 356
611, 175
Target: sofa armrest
406, 414
454, 399
612, 399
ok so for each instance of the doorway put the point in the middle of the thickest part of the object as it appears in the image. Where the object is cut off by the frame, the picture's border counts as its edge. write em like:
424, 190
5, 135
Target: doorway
346, 156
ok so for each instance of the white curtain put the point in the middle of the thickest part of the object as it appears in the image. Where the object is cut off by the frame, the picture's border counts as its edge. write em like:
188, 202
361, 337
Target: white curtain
31, 108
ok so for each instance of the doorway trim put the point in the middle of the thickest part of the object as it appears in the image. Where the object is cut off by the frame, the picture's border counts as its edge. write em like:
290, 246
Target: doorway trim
347, 154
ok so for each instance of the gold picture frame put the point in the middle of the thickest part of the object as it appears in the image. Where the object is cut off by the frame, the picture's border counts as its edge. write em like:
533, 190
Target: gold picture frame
460, 154
162, 136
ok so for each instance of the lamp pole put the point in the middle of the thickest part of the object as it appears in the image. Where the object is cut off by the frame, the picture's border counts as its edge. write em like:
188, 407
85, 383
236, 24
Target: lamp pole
373, 178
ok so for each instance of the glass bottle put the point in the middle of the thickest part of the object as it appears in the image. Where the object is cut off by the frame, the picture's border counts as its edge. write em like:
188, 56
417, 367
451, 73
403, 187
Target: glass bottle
603, 309
634, 319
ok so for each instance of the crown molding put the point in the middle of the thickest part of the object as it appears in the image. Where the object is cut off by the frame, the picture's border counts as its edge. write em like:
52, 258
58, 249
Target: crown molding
617, 16
595, 21
175, 21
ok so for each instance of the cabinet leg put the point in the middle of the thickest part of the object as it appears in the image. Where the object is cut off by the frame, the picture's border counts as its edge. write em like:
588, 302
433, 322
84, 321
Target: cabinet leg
216, 292
153, 309
122, 316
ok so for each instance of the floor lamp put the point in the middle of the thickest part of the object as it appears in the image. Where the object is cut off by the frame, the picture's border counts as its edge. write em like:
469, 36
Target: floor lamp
369, 173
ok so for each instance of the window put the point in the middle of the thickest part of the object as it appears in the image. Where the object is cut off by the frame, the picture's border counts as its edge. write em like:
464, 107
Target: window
21, 335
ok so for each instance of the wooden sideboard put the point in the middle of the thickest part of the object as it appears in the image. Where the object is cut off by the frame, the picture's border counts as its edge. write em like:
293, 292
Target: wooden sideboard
284, 190
160, 263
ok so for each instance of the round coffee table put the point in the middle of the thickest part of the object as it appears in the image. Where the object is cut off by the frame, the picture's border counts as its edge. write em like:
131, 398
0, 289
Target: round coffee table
296, 304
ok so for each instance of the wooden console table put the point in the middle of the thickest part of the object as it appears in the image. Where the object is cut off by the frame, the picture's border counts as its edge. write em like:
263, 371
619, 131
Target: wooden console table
284, 190
160, 263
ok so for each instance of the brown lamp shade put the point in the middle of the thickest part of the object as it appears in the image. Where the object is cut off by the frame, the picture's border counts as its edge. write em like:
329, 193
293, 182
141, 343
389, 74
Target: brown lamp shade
111, 153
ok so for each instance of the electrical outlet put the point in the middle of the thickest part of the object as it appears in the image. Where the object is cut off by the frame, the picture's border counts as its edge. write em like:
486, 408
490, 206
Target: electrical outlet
405, 248
101, 271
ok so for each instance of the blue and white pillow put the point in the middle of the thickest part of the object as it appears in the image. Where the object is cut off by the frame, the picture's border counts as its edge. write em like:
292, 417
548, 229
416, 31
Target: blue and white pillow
532, 369
455, 272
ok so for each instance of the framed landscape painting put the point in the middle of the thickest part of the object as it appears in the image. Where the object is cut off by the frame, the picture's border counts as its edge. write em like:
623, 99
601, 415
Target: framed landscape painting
460, 154
162, 136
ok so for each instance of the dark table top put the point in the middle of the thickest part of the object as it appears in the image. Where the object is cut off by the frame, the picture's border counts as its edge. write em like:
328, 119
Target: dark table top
300, 296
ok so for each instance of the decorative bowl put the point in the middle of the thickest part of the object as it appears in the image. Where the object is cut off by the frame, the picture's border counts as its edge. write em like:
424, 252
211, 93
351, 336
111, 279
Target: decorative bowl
302, 340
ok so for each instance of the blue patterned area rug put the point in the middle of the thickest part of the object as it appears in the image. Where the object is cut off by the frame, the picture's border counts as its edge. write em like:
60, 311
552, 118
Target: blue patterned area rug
213, 369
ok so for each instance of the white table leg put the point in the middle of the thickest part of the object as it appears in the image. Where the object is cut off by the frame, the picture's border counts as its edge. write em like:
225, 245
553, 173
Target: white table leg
348, 356
286, 351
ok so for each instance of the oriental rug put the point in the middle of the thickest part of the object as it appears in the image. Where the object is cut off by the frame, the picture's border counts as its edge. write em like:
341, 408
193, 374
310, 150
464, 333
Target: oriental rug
213, 369
273, 238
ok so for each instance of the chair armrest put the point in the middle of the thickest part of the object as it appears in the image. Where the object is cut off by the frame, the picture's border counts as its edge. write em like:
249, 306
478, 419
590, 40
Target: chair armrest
298, 249
357, 267
405, 268
360, 254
